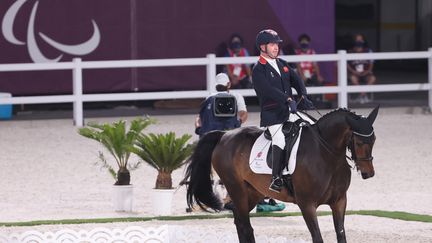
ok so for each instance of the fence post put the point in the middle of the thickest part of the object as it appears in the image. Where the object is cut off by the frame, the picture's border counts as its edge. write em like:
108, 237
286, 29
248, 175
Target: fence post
77, 92
430, 78
342, 79
211, 73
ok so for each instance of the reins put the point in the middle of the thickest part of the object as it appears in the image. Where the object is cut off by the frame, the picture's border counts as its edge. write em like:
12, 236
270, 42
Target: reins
324, 143
317, 134
319, 137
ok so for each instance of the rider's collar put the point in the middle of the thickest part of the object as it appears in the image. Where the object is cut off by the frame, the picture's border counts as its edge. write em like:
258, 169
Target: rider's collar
262, 60
269, 60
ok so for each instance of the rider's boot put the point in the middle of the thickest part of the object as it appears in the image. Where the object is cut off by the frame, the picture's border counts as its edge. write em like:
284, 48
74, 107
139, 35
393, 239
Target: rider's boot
277, 160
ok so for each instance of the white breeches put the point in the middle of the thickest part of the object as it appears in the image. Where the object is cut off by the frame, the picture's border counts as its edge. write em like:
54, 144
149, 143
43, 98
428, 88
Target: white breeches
278, 137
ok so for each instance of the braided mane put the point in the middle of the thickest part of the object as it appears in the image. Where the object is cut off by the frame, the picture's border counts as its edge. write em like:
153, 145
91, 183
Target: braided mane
337, 111
341, 111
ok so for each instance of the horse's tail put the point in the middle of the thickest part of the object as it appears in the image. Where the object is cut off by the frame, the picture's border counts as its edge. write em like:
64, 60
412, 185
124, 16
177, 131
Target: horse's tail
198, 173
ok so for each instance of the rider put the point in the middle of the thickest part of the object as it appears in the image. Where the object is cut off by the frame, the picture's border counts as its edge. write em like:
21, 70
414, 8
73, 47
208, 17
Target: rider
273, 79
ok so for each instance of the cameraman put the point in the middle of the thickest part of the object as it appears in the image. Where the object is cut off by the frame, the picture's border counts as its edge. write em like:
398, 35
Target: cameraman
207, 121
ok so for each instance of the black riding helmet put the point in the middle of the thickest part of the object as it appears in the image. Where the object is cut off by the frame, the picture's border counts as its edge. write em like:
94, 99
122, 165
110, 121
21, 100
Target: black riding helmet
267, 36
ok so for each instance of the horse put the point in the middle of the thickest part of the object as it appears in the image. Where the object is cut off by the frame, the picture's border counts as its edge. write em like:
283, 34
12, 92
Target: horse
322, 174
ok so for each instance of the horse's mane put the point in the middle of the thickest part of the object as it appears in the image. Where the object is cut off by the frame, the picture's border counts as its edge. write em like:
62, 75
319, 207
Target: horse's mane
338, 110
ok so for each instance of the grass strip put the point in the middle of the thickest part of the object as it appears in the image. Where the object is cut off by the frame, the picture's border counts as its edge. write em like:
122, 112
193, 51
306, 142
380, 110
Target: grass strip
394, 215
377, 213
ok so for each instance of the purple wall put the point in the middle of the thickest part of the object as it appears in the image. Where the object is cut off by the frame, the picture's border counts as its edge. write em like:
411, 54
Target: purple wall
67, 22
149, 29
315, 18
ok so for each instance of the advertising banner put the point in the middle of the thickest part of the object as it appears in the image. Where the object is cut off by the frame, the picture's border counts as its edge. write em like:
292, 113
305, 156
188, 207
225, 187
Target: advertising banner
39, 31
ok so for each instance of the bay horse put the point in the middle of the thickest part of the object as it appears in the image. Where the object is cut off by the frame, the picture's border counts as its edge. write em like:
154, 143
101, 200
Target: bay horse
322, 174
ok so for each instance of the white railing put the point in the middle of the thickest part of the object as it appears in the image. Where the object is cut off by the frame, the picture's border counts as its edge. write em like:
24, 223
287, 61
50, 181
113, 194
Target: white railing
78, 98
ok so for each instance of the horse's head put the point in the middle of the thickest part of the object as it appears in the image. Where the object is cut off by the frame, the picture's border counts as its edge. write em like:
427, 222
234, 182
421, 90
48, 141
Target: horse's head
362, 141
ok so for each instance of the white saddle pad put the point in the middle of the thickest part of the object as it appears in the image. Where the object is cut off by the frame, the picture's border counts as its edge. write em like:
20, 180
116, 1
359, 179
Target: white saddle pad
258, 155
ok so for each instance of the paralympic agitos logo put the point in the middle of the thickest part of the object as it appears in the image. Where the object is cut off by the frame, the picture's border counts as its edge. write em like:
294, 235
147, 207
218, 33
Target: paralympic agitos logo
35, 53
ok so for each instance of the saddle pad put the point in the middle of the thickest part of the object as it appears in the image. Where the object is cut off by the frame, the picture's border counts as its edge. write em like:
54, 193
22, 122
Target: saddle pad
258, 155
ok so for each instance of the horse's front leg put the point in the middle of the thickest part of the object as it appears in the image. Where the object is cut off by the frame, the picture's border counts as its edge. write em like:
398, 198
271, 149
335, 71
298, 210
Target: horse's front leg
310, 217
338, 209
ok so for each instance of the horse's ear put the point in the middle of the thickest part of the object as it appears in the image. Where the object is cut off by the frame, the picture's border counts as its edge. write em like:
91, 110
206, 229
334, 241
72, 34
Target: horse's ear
372, 116
353, 123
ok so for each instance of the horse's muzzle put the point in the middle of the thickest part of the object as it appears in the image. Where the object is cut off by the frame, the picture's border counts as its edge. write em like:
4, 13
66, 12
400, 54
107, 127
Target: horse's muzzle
367, 175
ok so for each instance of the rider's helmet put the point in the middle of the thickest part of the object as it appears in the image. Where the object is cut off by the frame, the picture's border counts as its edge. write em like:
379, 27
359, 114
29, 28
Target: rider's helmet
267, 36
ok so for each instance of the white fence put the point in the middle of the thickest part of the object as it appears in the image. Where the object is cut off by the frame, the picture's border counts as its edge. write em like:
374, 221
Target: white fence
77, 66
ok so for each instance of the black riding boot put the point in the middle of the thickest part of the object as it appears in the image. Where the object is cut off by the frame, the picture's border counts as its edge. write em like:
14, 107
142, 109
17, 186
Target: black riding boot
277, 160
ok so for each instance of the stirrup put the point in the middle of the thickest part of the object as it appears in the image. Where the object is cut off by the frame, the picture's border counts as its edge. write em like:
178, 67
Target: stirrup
276, 185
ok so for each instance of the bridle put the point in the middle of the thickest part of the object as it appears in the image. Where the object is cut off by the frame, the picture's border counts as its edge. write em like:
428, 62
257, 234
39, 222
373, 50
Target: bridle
367, 138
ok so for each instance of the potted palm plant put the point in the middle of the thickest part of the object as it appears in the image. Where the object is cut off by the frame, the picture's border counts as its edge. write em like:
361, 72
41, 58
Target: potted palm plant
165, 153
117, 139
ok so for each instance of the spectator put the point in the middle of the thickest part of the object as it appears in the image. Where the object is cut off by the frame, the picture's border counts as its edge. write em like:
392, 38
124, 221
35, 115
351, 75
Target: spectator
220, 51
288, 49
209, 121
360, 71
239, 74
309, 71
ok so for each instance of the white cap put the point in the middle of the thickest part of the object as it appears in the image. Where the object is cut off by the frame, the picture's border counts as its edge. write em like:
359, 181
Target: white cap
222, 79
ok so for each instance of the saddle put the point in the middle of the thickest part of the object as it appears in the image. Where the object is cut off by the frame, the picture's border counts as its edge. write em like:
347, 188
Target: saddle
291, 132
260, 160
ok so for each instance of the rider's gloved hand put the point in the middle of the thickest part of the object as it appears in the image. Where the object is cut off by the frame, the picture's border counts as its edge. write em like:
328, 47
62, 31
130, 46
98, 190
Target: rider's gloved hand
198, 130
292, 106
307, 102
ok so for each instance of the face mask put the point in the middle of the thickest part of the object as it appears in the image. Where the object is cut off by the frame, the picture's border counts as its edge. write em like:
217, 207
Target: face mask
235, 45
359, 44
304, 45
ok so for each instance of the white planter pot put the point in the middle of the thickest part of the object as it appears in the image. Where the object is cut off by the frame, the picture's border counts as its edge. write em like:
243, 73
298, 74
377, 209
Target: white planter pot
162, 201
122, 198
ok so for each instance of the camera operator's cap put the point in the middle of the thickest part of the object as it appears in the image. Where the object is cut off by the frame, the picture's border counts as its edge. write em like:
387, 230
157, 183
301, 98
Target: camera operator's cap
222, 79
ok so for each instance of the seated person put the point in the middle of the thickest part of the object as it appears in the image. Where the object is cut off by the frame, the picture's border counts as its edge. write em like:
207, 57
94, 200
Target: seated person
360, 71
239, 74
308, 71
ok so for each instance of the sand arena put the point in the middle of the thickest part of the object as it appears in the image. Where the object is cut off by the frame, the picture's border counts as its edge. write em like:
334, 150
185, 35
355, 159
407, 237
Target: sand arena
48, 172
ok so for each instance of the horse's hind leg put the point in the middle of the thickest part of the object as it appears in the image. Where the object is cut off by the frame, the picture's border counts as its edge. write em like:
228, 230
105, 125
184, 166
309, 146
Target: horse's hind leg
338, 209
244, 198
244, 228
